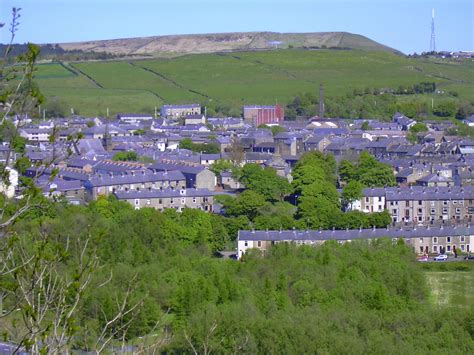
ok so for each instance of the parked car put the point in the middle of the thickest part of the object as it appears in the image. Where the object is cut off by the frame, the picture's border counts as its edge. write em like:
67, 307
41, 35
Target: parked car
441, 257
469, 257
423, 258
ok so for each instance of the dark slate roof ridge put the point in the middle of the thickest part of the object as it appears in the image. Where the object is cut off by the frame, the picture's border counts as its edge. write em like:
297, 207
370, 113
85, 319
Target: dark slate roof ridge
351, 234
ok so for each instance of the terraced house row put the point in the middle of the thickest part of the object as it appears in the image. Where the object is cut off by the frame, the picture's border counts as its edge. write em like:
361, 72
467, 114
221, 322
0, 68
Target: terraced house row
423, 240
420, 205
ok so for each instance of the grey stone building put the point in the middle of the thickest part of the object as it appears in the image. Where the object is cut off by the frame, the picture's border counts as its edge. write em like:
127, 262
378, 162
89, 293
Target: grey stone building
169, 198
423, 240
134, 181
420, 205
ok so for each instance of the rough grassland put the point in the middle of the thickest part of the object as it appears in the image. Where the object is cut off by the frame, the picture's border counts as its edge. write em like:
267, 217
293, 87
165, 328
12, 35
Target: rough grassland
451, 284
241, 78
452, 288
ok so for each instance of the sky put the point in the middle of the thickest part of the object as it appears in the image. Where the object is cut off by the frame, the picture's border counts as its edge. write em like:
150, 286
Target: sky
402, 24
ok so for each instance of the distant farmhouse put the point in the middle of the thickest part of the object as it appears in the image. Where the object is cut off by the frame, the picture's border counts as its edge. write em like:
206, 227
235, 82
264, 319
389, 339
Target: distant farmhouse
258, 115
180, 110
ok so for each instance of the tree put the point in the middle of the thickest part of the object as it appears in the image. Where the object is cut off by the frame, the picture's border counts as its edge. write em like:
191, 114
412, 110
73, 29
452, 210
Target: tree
347, 171
365, 126
465, 109
368, 171
265, 181
126, 156
445, 109
55, 107
246, 204
352, 192
414, 130
221, 165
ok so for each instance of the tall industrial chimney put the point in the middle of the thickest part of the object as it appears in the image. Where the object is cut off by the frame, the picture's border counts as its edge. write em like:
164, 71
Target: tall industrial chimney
321, 101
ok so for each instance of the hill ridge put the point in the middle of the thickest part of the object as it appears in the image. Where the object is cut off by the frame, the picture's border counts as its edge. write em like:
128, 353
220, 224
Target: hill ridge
231, 41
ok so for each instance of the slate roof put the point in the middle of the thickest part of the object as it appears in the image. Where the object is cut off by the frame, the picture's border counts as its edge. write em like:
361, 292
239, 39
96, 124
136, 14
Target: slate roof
352, 234
434, 178
135, 178
90, 145
422, 193
61, 185
184, 168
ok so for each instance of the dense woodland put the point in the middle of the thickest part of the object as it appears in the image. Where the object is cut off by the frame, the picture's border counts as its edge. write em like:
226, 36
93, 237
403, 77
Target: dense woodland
382, 103
352, 298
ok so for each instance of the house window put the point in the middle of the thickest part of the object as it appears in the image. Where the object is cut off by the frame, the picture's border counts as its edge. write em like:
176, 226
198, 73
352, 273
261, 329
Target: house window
246, 244
435, 239
394, 211
445, 210
420, 210
407, 203
171, 200
462, 239
194, 199
367, 199
455, 202
435, 248
137, 201
432, 211
148, 202
462, 247
420, 218
182, 201
421, 248
448, 239
391, 203
448, 247
259, 243
445, 203
160, 201
420, 202
421, 240
458, 210
380, 198
432, 203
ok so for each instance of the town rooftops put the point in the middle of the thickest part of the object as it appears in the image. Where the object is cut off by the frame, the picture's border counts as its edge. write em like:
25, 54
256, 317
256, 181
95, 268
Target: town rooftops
185, 168
134, 178
354, 234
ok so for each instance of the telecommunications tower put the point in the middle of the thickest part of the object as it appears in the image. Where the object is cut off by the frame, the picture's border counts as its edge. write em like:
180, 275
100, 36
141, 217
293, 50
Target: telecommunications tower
433, 41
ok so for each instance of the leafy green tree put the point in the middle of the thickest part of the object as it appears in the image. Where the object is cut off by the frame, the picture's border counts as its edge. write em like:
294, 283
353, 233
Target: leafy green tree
265, 181
221, 165
419, 127
347, 171
368, 171
365, 126
246, 204
126, 156
445, 109
352, 192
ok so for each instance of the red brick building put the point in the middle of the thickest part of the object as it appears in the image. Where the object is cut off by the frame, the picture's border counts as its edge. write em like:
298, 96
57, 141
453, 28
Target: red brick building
258, 115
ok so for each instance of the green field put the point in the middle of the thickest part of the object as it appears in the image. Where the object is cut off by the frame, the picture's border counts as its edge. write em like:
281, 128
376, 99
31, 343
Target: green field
451, 288
241, 78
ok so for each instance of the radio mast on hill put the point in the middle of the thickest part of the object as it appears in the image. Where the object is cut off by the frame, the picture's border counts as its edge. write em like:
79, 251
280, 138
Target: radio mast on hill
432, 42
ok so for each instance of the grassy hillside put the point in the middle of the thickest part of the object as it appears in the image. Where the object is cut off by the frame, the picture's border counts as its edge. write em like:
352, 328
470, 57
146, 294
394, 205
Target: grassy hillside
234, 79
